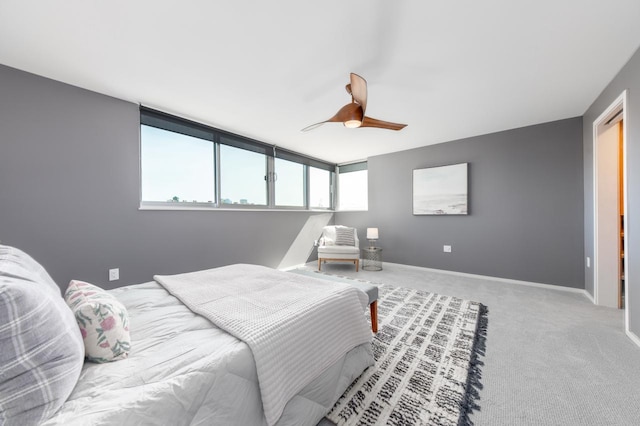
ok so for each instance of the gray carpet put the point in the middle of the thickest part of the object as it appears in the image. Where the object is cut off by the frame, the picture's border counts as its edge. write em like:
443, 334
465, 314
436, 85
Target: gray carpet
552, 357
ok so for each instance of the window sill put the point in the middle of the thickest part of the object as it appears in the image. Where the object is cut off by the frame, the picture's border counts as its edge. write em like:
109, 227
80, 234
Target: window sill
227, 209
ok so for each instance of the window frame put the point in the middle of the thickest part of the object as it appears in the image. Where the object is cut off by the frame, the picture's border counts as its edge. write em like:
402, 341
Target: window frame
219, 184
305, 187
171, 123
180, 205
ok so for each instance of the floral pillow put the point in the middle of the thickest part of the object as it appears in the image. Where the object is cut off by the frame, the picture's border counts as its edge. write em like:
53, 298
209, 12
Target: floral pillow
103, 321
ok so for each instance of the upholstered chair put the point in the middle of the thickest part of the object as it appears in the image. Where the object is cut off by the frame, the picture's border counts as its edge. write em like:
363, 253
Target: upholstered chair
339, 244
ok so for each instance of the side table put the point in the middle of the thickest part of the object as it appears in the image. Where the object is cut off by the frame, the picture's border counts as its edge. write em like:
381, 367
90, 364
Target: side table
372, 259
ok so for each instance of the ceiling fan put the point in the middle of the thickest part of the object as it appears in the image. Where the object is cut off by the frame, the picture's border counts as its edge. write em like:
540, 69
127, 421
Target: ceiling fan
352, 114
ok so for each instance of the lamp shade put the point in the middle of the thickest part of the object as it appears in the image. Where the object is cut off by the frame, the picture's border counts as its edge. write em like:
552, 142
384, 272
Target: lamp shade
372, 233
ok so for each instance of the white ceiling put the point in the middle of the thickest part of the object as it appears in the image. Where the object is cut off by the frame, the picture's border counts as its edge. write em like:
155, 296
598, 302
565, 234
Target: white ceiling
266, 69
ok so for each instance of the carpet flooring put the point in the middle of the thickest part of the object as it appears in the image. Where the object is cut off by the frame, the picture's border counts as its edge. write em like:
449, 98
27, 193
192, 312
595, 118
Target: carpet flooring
551, 358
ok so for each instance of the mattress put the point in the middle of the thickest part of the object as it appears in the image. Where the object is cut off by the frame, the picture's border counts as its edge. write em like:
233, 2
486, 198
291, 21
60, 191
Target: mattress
183, 370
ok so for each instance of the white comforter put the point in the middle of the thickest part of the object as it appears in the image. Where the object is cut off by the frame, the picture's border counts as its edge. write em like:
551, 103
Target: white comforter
183, 370
296, 326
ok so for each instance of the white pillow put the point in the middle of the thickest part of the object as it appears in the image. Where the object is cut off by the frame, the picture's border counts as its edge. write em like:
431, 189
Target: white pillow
329, 232
103, 321
329, 235
324, 241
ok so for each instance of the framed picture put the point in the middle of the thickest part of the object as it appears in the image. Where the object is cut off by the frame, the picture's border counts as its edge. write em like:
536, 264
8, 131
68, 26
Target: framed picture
440, 190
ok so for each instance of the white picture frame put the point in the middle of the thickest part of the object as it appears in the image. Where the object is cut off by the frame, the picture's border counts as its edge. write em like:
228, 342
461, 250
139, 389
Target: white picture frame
441, 190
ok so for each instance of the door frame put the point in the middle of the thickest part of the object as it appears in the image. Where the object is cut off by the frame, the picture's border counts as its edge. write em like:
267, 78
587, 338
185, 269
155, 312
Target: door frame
619, 101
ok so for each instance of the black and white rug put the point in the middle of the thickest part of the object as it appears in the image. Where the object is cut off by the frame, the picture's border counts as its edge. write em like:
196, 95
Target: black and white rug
424, 351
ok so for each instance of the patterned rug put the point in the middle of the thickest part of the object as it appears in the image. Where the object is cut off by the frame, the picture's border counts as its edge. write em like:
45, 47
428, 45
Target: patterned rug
424, 352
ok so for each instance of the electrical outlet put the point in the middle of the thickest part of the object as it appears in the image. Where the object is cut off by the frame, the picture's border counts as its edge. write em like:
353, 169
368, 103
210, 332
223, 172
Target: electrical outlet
446, 249
588, 262
114, 274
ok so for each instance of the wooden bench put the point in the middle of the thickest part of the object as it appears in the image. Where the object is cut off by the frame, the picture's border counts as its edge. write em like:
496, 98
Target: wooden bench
372, 292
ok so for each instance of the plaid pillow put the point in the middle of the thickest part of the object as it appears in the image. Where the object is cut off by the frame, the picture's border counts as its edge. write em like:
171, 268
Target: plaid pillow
41, 352
345, 237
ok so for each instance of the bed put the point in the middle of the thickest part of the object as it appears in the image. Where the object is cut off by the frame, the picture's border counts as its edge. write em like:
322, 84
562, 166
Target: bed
184, 370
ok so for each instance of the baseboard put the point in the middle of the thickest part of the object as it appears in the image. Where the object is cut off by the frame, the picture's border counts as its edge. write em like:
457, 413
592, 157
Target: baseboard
485, 277
589, 296
634, 338
504, 280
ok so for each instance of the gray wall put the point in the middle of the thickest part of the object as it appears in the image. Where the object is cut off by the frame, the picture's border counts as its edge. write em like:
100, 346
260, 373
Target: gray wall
525, 201
69, 180
628, 78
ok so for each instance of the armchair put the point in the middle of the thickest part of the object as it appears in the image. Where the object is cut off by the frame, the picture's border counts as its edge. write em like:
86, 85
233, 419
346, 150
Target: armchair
339, 244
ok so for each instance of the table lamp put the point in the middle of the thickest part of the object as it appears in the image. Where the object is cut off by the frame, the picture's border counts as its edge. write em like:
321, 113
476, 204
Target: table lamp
372, 236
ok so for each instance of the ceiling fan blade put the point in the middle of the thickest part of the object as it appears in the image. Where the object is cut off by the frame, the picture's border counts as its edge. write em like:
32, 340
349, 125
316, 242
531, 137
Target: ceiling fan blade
350, 111
372, 122
313, 126
359, 91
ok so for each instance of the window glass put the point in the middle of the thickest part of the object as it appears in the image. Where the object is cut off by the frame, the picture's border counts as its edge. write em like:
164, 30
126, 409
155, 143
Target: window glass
319, 188
242, 177
187, 162
176, 167
289, 183
353, 191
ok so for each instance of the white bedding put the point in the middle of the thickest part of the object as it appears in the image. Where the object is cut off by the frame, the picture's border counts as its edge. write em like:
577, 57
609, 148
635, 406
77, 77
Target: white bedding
183, 370
296, 326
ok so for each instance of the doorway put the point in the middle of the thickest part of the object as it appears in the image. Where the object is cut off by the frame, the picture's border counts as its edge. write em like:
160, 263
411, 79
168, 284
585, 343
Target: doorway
610, 200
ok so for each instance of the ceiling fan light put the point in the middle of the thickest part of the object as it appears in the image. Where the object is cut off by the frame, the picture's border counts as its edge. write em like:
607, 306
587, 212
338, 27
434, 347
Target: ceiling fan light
352, 124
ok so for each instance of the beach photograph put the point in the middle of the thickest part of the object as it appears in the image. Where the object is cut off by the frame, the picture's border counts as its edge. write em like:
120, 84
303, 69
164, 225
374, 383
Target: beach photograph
440, 190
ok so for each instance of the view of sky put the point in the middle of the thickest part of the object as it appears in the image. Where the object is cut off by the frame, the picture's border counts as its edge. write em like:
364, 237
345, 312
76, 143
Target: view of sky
319, 191
175, 165
289, 183
242, 176
354, 194
181, 168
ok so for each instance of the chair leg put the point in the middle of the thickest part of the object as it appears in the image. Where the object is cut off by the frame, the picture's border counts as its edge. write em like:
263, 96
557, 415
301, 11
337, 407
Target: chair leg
374, 316
319, 263
357, 262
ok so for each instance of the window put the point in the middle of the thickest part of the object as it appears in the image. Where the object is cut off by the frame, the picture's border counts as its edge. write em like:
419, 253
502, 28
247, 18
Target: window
319, 188
289, 183
242, 175
189, 164
176, 167
353, 191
